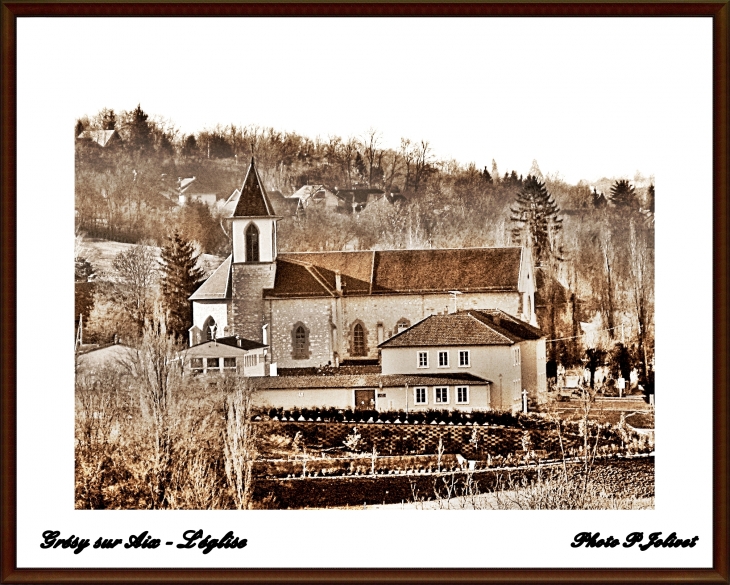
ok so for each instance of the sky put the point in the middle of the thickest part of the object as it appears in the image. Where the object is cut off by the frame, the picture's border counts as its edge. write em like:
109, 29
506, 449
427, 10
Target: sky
586, 98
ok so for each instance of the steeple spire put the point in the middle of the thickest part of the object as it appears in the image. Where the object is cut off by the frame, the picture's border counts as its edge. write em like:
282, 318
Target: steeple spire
253, 202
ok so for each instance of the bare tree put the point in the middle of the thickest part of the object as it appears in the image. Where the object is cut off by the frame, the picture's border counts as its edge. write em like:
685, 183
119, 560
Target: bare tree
370, 143
240, 441
408, 155
157, 367
422, 158
641, 273
135, 291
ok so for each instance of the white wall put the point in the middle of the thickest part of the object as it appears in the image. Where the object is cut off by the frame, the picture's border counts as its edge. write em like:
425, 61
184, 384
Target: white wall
266, 227
216, 309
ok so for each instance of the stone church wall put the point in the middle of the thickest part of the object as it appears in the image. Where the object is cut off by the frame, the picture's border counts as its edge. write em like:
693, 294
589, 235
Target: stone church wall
247, 304
330, 332
315, 316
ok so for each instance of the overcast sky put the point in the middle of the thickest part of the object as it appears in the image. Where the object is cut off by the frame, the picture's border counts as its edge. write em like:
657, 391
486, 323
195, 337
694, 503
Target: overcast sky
585, 97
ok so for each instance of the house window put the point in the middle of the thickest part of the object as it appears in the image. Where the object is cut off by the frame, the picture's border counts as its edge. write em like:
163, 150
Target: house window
358, 340
422, 359
196, 365
464, 358
229, 363
462, 395
300, 342
402, 325
420, 395
516, 355
252, 243
443, 359
212, 363
441, 394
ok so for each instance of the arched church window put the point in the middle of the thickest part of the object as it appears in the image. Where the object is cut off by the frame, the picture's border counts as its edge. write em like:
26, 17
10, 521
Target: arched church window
358, 340
209, 329
300, 342
252, 243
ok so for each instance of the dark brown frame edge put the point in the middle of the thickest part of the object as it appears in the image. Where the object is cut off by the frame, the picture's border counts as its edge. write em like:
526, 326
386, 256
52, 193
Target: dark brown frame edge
10, 573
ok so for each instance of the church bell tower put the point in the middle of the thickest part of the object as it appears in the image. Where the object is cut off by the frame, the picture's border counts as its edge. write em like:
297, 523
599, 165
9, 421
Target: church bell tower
253, 268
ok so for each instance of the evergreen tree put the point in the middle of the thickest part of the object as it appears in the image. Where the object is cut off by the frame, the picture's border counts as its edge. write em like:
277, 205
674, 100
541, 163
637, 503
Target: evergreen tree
360, 169
180, 277
599, 199
108, 119
650, 194
79, 128
623, 194
486, 177
535, 214
140, 133
190, 148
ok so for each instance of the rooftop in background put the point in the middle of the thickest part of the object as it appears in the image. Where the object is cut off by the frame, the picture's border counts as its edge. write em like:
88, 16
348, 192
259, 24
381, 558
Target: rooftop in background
101, 137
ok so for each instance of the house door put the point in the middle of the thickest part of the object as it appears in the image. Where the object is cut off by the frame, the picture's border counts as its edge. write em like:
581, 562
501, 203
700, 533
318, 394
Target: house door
365, 399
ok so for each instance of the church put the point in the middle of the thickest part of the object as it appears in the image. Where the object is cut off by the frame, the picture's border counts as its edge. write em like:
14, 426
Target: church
335, 308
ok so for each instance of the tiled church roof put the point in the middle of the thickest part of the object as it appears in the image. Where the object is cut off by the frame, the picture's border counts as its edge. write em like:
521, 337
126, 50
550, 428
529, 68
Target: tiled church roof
398, 271
313, 274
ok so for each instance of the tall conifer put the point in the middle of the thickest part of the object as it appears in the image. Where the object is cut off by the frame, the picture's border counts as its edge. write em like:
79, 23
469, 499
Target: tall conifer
180, 277
535, 215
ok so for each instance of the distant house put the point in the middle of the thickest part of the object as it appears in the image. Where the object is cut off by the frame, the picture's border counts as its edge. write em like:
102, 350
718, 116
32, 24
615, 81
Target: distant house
316, 195
489, 344
409, 392
190, 189
356, 199
103, 138
227, 354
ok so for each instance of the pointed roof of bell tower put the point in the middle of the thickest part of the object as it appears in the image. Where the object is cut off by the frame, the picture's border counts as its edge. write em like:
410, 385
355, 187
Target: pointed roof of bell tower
253, 201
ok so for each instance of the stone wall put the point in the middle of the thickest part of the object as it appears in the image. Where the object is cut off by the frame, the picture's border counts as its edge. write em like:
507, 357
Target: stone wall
331, 320
247, 304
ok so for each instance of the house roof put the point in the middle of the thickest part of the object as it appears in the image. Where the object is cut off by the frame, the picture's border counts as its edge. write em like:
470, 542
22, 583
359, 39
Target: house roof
364, 381
306, 191
217, 286
230, 341
101, 137
398, 271
491, 327
253, 201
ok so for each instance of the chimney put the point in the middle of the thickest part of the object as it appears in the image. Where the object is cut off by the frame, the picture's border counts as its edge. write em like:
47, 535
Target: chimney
265, 334
338, 281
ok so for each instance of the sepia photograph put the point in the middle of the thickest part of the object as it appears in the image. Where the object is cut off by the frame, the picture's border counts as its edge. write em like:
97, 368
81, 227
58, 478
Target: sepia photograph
283, 318
391, 266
